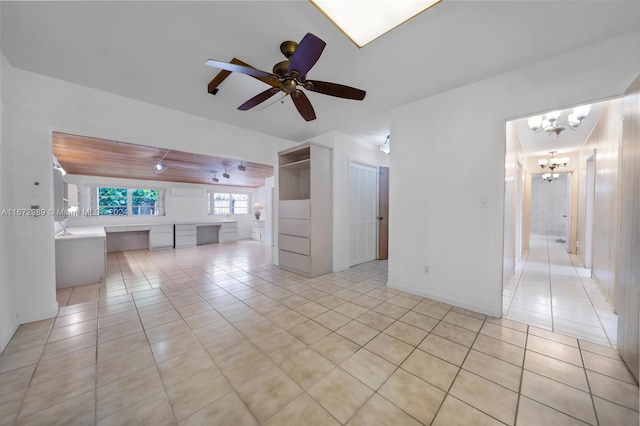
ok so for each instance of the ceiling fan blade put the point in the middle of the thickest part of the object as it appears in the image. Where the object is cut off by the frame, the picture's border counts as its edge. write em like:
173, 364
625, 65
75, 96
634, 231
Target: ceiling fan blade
270, 81
303, 106
238, 68
334, 89
306, 54
257, 99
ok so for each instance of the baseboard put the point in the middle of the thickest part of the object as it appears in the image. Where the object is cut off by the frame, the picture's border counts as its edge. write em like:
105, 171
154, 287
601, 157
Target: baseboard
5, 341
445, 299
39, 316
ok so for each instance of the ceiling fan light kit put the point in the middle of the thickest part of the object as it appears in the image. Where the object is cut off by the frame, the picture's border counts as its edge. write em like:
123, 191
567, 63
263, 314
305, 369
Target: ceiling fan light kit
288, 77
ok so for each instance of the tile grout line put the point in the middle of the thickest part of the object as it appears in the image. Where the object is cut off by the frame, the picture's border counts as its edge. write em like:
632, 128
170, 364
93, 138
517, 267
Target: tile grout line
592, 305
524, 266
550, 286
35, 368
155, 364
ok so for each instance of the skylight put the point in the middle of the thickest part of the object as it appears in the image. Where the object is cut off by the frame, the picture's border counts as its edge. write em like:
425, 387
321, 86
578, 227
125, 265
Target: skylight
363, 21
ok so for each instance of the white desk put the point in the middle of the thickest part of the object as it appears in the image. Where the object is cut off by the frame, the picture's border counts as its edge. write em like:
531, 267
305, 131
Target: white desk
80, 256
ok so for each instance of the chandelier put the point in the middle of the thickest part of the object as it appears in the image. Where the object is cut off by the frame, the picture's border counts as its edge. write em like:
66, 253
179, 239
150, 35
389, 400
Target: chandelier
550, 124
550, 177
553, 162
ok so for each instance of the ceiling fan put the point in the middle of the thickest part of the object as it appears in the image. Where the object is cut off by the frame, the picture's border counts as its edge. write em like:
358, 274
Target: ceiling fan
290, 77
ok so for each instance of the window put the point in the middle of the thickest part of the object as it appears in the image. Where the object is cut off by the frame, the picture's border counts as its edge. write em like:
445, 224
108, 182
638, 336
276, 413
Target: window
224, 203
127, 201
112, 201
144, 202
240, 203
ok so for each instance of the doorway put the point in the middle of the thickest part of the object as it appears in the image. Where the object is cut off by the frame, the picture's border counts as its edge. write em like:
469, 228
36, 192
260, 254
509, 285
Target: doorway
383, 213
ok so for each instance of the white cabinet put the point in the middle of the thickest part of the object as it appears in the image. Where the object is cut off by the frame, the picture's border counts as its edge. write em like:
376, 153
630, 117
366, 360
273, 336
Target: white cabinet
185, 235
305, 210
228, 232
257, 230
80, 261
160, 237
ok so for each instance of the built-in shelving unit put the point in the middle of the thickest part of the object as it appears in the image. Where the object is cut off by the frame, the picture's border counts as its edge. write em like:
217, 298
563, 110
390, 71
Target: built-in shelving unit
305, 210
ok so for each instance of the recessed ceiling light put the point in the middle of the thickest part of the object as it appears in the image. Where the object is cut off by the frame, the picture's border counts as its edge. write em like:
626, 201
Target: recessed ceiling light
364, 21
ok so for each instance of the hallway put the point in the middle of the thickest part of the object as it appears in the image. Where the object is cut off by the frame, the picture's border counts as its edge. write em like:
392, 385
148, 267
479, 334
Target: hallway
551, 290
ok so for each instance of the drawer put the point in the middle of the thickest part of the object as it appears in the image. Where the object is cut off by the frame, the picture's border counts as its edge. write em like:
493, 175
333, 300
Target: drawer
256, 236
297, 262
185, 240
295, 209
116, 229
297, 227
139, 228
161, 229
294, 244
229, 226
186, 229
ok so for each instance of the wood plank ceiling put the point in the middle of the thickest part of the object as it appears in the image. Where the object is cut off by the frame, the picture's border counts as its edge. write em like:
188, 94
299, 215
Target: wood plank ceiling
82, 155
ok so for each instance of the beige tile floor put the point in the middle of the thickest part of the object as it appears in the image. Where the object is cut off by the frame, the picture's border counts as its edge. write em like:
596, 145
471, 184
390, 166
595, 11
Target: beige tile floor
216, 335
552, 290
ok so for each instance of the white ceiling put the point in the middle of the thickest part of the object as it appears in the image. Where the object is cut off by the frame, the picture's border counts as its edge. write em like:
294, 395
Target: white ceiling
155, 52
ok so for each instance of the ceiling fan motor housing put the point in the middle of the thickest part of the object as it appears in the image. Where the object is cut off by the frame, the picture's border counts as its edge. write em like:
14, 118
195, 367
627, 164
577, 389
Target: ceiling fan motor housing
288, 47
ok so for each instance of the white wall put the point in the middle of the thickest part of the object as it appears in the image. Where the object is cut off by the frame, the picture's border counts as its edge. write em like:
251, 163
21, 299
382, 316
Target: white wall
605, 140
346, 149
447, 169
513, 199
8, 295
178, 208
264, 196
34, 106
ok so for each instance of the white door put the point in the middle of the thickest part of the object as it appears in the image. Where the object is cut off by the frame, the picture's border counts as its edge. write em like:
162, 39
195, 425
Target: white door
362, 213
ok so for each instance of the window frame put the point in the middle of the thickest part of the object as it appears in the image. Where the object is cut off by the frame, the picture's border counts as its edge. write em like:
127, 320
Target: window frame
129, 207
214, 210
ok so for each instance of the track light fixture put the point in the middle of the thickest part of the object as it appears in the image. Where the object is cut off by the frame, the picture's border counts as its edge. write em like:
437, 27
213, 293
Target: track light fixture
225, 174
160, 166
215, 178
59, 168
385, 147
242, 168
